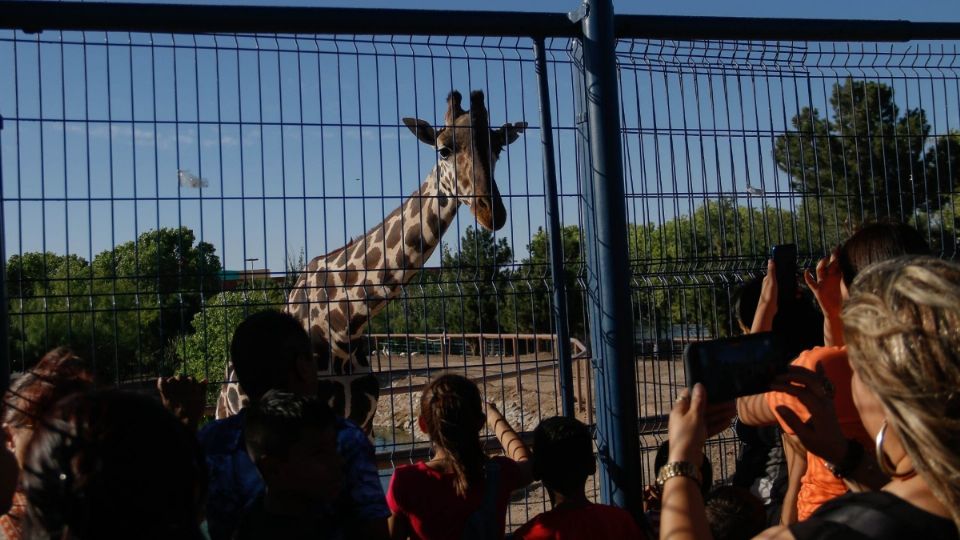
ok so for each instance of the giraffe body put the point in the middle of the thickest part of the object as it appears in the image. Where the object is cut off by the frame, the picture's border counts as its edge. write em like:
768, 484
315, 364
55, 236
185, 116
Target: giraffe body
338, 294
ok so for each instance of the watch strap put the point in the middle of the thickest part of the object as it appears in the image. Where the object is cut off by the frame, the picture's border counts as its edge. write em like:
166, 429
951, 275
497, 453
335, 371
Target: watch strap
678, 468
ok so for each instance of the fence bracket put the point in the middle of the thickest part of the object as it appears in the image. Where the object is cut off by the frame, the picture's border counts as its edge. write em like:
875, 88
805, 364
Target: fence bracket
579, 14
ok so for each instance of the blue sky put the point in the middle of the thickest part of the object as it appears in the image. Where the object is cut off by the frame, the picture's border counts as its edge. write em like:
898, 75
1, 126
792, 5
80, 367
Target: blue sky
301, 144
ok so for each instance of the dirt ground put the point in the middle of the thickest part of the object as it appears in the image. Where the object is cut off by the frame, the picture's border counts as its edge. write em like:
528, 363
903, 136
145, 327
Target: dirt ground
525, 399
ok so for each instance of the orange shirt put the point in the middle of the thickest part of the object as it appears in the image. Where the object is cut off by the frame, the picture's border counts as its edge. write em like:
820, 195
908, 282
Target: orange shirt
818, 484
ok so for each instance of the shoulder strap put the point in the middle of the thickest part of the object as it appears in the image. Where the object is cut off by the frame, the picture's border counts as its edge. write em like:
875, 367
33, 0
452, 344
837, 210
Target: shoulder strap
491, 488
481, 524
866, 519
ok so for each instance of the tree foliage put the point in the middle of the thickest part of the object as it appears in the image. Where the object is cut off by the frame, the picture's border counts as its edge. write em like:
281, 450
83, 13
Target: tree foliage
121, 309
867, 158
530, 301
204, 352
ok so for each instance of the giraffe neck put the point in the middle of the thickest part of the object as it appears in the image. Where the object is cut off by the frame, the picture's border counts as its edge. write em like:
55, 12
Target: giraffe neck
340, 292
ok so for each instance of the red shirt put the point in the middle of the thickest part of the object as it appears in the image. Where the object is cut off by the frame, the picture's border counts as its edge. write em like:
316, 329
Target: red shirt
429, 501
593, 521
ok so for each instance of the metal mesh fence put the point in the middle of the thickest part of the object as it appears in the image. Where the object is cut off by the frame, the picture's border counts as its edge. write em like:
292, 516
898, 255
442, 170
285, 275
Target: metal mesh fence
157, 188
732, 147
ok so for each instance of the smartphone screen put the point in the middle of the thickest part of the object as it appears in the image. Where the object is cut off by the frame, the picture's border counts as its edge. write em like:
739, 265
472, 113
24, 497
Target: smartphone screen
785, 259
733, 367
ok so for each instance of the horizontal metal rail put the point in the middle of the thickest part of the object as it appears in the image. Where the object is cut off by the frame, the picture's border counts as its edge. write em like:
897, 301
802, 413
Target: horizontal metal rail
34, 16
422, 450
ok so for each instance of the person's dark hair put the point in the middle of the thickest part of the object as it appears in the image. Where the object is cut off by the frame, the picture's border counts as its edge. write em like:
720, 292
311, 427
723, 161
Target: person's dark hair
706, 468
745, 300
275, 423
452, 412
876, 242
733, 513
264, 350
563, 454
58, 374
112, 464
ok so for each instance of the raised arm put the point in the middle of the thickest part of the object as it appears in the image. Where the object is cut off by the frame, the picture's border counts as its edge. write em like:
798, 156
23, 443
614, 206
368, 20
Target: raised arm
825, 286
512, 444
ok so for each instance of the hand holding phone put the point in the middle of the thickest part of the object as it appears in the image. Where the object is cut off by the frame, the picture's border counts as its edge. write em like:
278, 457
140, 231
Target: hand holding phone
785, 260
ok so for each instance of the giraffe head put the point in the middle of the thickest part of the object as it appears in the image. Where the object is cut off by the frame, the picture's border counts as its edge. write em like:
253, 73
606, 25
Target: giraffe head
468, 150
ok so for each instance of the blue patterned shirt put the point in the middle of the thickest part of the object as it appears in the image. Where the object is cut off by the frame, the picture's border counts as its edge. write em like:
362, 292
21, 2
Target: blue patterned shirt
235, 482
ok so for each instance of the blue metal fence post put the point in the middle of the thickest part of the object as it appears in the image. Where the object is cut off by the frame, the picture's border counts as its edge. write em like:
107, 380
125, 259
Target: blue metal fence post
4, 312
608, 269
554, 234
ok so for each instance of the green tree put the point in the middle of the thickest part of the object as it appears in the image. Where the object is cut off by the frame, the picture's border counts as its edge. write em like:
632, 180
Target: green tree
682, 269
473, 282
205, 351
529, 301
866, 159
122, 309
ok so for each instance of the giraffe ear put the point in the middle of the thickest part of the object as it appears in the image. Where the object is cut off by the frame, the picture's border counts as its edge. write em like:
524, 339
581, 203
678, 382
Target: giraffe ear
509, 133
422, 130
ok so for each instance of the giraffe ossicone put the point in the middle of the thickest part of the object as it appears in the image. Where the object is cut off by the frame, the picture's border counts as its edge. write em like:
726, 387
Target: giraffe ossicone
337, 294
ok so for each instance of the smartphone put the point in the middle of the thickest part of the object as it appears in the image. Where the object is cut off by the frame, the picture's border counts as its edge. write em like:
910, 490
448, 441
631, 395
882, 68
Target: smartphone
785, 259
737, 366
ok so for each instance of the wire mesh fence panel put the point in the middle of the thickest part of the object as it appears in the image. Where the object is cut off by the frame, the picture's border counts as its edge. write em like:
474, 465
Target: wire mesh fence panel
159, 188
732, 147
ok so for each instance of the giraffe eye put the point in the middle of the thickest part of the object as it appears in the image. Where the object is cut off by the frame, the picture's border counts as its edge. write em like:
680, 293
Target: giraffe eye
445, 152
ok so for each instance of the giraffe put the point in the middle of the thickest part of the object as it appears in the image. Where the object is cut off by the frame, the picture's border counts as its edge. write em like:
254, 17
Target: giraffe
338, 293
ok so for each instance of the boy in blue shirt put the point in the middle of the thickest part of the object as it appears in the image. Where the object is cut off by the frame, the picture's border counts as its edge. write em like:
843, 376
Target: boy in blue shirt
270, 350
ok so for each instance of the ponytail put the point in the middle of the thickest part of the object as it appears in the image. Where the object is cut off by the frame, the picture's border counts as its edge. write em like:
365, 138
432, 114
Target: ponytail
453, 413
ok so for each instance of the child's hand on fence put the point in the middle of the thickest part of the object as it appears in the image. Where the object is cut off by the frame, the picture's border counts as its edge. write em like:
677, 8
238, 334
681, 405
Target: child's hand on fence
185, 397
493, 415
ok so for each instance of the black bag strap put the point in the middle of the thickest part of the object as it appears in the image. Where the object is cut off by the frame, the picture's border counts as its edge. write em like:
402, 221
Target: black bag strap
483, 520
491, 489
867, 520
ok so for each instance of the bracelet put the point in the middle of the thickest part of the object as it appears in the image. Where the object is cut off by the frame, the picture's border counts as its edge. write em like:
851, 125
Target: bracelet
678, 468
849, 462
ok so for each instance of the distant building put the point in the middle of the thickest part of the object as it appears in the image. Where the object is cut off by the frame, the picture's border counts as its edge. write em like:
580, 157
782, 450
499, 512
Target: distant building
231, 279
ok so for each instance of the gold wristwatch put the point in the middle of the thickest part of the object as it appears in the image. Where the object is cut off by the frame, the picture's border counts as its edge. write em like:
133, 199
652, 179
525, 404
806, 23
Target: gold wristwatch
678, 468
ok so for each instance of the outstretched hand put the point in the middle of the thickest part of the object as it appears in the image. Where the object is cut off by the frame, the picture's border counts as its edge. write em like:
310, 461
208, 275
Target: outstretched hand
185, 397
820, 433
687, 427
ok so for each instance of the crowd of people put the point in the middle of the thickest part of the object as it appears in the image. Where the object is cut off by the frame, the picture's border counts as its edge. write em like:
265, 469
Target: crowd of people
860, 438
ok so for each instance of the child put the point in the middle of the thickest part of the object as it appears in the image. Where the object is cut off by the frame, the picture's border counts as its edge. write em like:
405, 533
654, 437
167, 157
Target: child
652, 495
293, 442
734, 513
58, 374
271, 350
563, 460
460, 493
112, 464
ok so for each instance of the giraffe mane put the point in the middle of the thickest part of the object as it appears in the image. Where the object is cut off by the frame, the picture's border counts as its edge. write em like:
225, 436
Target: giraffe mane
350, 243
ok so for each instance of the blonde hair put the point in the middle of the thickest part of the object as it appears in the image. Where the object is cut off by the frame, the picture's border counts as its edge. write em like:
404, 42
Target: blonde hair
902, 325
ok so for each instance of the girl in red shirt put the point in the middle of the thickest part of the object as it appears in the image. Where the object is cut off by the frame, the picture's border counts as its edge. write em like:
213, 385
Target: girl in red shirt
460, 493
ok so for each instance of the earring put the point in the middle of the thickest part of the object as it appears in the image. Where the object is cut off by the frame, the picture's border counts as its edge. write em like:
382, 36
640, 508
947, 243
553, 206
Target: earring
886, 466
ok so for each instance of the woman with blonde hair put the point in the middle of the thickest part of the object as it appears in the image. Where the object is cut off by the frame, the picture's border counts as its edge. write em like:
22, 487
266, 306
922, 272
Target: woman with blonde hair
902, 327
